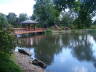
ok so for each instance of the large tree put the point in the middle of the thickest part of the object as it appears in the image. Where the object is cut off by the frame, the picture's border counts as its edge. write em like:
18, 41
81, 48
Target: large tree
23, 17
6, 46
85, 13
84, 8
66, 19
3, 22
45, 12
63, 4
12, 18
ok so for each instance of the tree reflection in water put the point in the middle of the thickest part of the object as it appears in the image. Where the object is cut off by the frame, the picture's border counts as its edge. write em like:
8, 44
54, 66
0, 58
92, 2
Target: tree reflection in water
82, 49
46, 47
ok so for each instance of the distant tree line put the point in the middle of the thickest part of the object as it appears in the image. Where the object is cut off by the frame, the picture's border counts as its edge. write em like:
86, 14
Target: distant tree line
67, 13
70, 13
14, 20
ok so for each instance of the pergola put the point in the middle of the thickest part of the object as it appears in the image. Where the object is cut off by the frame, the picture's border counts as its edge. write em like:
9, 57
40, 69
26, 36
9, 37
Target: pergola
28, 23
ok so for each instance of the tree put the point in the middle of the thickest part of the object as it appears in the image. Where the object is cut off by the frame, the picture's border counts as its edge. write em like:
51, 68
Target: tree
6, 42
63, 4
12, 18
6, 46
4, 36
23, 17
45, 12
48, 11
67, 19
85, 9
85, 12
3, 22
83, 20
33, 17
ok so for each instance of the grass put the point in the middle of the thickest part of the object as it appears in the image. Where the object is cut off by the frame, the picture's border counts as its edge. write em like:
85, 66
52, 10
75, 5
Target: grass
7, 65
93, 27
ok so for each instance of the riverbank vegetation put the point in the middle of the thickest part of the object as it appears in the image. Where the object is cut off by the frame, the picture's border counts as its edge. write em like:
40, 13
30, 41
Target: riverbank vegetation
6, 46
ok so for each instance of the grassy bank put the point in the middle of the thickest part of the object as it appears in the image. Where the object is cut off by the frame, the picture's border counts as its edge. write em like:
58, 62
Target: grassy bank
7, 65
62, 31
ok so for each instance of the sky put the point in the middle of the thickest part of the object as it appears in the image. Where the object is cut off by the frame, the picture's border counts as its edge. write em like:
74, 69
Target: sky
17, 6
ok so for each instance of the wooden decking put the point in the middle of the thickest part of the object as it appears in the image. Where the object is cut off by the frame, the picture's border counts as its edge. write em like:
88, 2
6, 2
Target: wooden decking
27, 31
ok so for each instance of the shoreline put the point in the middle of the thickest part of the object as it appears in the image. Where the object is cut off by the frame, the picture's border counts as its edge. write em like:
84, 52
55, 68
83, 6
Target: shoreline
25, 63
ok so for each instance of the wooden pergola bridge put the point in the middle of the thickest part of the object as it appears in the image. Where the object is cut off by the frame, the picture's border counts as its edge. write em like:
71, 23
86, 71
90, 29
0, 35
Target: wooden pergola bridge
26, 28
27, 31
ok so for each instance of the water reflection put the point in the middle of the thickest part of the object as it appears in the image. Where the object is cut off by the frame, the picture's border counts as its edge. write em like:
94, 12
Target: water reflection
82, 49
46, 49
69, 52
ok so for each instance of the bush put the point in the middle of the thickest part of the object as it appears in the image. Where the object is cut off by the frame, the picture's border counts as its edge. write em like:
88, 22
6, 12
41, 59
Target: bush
6, 46
93, 27
48, 31
6, 42
6, 65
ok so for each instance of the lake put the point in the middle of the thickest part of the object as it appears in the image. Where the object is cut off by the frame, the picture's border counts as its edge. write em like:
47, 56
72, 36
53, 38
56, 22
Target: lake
66, 52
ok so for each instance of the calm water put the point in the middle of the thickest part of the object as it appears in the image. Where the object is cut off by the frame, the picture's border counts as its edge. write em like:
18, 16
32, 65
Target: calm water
68, 52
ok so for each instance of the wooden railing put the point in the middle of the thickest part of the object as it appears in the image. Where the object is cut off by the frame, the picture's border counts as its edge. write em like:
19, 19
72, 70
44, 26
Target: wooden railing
27, 30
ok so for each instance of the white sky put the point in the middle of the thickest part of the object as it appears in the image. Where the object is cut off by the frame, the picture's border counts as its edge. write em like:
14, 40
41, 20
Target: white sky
17, 6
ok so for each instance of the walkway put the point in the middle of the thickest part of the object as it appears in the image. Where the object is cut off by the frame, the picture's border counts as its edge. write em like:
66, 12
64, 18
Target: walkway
26, 30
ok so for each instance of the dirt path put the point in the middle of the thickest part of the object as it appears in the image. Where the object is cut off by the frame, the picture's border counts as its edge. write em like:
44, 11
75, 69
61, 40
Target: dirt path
25, 63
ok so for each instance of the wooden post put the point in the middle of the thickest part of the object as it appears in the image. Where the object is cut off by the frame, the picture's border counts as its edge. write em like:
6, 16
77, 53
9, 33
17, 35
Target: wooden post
34, 26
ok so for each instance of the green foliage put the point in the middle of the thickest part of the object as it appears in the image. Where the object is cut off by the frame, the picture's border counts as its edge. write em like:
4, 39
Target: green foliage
77, 5
12, 18
83, 8
6, 65
33, 17
82, 23
6, 42
22, 17
66, 20
63, 4
6, 46
3, 22
93, 26
45, 13
48, 31
84, 17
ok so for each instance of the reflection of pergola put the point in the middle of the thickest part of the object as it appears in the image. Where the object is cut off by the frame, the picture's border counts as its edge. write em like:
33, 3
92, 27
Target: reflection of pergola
29, 23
